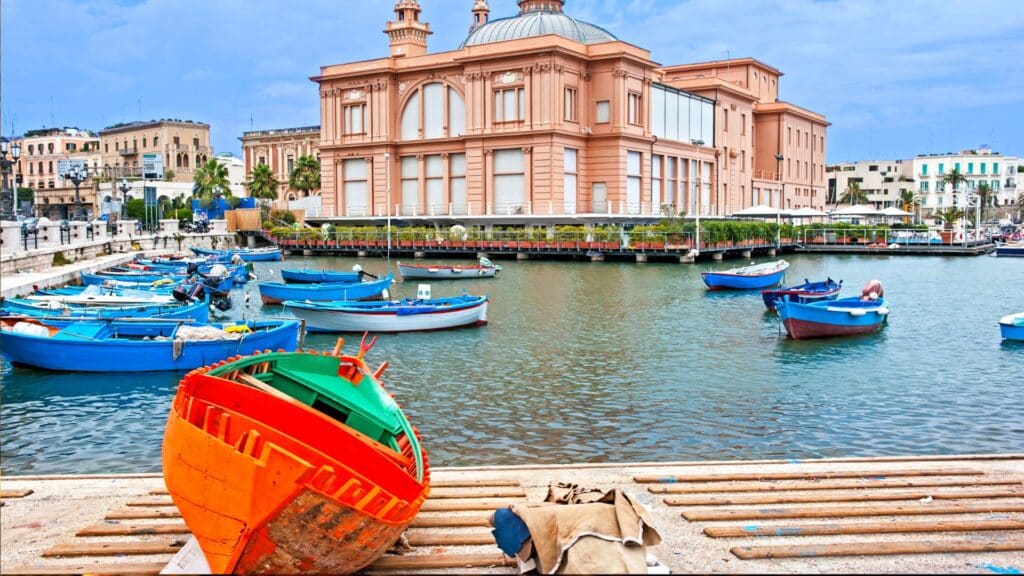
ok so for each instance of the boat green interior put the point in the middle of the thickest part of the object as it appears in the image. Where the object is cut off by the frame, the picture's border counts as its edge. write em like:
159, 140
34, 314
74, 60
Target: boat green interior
351, 398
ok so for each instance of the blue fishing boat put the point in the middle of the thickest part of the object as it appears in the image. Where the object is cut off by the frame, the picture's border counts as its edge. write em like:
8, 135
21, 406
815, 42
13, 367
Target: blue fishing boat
128, 279
1012, 327
197, 311
804, 293
393, 315
307, 276
843, 317
747, 277
240, 272
138, 346
278, 292
269, 254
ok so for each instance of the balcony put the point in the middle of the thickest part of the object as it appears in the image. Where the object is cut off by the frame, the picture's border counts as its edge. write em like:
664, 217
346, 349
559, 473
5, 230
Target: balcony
128, 151
175, 148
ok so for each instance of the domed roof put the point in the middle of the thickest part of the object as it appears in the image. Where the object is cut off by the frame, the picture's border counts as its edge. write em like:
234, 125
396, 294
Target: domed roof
537, 23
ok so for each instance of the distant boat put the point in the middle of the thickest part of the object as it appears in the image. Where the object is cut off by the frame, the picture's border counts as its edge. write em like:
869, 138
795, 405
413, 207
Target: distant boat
277, 292
1016, 249
843, 317
804, 293
391, 316
1012, 327
269, 254
130, 277
137, 346
292, 463
747, 277
198, 311
307, 276
448, 271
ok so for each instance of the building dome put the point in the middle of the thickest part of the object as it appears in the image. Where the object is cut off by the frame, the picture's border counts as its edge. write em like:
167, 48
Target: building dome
537, 18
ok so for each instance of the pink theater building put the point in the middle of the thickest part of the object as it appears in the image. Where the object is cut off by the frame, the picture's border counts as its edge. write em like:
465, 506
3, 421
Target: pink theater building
542, 118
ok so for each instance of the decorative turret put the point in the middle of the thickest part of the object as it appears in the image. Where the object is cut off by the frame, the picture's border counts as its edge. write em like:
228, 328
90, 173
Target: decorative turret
526, 6
408, 35
481, 13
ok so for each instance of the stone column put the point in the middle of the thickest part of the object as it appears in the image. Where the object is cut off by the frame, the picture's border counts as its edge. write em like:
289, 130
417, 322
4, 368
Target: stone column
169, 226
79, 233
99, 230
49, 234
126, 228
11, 237
219, 226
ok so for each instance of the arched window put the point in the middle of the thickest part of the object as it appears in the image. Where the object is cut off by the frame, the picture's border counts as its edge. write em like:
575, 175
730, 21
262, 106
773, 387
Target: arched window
433, 111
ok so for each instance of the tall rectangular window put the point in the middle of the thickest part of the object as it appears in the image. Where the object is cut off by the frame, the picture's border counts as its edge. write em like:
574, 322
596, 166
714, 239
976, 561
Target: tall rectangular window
956, 166
633, 180
570, 182
457, 182
433, 110
355, 186
656, 163
995, 167
570, 105
982, 167
603, 113
156, 141
410, 185
670, 183
743, 161
509, 105
942, 168
434, 170
725, 120
456, 114
354, 115
743, 124
970, 167
634, 109
291, 164
924, 169
509, 181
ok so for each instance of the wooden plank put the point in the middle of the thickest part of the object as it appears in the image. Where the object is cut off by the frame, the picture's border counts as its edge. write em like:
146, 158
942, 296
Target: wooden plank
15, 493
464, 539
154, 502
98, 568
466, 505
141, 514
427, 521
788, 485
444, 494
454, 483
126, 548
803, 475
133, 529
848, 496
416, 561
159, 492
864, 528
851, 511
877, 548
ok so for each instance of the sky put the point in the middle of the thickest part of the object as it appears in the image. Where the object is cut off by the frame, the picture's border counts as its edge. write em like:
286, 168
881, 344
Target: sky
895, 78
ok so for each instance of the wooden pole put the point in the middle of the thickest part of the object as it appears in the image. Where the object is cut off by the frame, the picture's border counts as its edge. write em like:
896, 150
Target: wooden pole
787, 485
850, 496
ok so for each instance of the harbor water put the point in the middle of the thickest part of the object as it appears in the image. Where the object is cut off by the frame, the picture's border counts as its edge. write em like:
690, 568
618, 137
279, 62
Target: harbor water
621, 362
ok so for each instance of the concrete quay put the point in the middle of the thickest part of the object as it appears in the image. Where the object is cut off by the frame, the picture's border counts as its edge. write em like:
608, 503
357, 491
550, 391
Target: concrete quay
926, 514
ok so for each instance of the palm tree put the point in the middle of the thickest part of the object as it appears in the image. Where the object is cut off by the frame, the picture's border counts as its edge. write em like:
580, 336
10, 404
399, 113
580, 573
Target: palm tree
954, 178
262, 184
985, 196
305, 176
907, 199
949, 216
854, 195
209, 180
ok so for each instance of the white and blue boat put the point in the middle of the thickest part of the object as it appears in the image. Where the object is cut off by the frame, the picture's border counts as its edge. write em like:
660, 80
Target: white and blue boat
843, 317
755, 277
804, 293
391, 315
137, 346
1012, 327
278, 292
197, 311
307, 276
138, 281
269, 254
1016, 249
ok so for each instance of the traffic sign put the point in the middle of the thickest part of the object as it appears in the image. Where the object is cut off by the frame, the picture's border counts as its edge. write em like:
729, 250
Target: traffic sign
153, 166
72, 167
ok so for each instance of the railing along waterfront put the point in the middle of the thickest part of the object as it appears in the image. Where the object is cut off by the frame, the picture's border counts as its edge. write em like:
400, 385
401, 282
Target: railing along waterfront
886, 236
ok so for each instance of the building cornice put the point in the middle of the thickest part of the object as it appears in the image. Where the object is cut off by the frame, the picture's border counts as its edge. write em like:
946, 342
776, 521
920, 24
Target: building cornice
787, 108
719, 63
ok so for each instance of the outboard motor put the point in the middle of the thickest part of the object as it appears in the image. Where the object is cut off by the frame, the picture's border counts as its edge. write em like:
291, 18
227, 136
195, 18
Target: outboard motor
192, 268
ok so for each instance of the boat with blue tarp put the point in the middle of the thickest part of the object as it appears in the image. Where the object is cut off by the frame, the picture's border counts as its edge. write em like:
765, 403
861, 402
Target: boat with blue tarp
142, 345
754, 277
830, 318
1012, 327
804, 293
197, 310
391, 315
278, 292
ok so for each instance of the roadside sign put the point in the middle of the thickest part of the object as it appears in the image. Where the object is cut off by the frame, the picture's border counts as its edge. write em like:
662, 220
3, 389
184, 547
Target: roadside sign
153, 166
71, 167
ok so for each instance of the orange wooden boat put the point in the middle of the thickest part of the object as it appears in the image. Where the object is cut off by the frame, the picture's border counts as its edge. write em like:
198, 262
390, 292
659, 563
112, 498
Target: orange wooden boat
292, 462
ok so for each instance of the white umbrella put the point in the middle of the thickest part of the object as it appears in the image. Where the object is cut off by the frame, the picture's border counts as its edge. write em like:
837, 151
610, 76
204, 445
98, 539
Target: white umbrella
807, 212
857, 210
761, 211
894, 211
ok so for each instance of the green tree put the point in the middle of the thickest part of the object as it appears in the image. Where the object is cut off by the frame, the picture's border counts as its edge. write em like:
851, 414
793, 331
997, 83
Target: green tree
949, 216
135, 209
169, 175
985, 196
305, 177
954, 178
210, 178
907, 199
262, 184
854, 195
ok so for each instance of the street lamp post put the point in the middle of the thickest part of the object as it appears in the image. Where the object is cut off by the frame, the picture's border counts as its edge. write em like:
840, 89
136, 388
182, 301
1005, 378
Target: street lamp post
77, 174
782, 194
387, 197
698, 197
125, 187
9, 197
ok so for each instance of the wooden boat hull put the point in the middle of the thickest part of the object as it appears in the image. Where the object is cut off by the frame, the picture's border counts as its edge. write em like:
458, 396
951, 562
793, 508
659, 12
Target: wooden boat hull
846, 317
1015, 250
326, 320
319, 276
267, 484
198, 312
103, 355
818, 292
446, 272
1012, 327
278, 292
